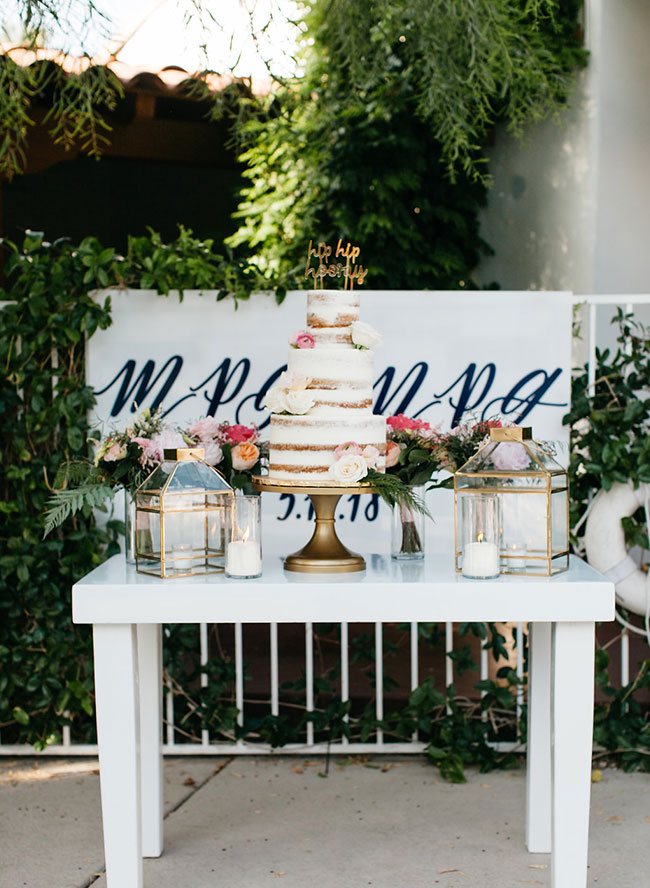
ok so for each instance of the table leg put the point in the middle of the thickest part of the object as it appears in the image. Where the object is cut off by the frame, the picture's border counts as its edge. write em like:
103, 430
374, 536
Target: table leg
151, 762
538, 771
573, 713
118, 735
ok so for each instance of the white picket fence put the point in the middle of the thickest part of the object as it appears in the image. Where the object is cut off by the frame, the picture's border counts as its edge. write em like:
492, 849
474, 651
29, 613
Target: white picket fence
593, 305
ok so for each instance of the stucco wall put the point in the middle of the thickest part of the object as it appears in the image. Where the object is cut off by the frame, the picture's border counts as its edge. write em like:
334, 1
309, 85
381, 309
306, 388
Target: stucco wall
570, 208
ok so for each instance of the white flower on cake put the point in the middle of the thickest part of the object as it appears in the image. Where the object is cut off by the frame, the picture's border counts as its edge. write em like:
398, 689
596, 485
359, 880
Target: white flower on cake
349, 469
293, 381
364, 336
276, 400
298, 401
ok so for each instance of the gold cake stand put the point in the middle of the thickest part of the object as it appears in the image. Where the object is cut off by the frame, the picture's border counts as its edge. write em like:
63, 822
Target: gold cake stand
324, 553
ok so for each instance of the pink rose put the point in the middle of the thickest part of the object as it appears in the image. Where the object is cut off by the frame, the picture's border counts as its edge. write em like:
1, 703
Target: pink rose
236, 434
205, 428
244, 456
510, 456
371, 455
348, 447
301, 339
393, 451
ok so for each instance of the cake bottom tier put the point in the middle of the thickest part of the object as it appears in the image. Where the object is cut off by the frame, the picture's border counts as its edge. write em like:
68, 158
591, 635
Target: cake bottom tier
301, 448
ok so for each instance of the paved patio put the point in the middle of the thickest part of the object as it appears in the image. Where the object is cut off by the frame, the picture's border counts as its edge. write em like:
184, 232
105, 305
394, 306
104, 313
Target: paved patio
248, 822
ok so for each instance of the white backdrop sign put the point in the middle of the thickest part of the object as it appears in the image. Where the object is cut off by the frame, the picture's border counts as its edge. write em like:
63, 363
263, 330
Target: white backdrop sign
444, 353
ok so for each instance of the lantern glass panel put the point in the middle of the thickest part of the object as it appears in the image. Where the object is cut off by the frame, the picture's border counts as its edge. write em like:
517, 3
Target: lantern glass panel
533, 489
181, 517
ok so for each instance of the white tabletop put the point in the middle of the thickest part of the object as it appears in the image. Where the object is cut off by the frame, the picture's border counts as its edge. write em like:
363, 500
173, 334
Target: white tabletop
388, 591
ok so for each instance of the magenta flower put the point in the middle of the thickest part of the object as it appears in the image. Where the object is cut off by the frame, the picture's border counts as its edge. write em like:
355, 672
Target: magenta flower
302, 339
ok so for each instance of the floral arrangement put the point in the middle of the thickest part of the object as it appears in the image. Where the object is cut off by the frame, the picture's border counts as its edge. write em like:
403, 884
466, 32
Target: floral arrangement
125, 458
290, 395
412, 449
235, 450
355, 463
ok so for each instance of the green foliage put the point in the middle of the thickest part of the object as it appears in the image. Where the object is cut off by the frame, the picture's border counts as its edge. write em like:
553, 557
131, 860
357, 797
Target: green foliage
622, 726
382, 141
396, 492
609, 440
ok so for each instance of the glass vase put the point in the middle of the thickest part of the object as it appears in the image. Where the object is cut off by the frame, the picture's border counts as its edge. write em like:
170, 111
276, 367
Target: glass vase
244, 550
407, 531
129, 527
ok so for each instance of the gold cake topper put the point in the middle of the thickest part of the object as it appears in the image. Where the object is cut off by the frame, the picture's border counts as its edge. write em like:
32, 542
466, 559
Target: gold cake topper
329, 267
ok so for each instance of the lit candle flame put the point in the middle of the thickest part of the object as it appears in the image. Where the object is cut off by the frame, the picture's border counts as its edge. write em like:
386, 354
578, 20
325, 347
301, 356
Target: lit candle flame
245, 535
480, 537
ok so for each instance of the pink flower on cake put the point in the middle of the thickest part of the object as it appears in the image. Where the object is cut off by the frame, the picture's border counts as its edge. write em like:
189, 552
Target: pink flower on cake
393, 451
301, 339
244, 456
348, 447
236, 434
371, 456
205, 428
349, 469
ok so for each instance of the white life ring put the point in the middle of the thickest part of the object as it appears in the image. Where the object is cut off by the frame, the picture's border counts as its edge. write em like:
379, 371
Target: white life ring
605, 543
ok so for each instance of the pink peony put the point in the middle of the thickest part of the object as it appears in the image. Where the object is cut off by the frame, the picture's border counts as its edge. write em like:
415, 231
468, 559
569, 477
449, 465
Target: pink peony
399, 422
301, 339
166, 440
348, 447
213, 452
510, 456
204, 429
236, 434
393, 451
244, 456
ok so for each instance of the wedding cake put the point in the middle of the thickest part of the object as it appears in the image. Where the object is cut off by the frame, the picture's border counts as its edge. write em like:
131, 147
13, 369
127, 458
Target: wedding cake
323, 401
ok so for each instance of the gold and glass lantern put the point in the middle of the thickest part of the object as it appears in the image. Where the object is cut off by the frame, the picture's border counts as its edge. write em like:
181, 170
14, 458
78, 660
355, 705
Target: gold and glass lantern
533, 493
181, 517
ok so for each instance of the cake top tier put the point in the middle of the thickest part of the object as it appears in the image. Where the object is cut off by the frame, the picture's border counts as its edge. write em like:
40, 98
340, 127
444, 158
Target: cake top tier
330, 313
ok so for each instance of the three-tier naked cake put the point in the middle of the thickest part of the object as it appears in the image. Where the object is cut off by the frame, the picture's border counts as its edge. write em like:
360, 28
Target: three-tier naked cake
324, 399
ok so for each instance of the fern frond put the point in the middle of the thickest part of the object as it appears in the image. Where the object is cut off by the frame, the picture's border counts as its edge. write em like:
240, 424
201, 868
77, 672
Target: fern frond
395, 492
68, 502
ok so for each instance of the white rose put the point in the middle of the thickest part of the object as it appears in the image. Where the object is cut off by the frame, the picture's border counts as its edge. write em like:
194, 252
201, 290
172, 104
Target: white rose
276, 400
293, 381
349, 469
299, 401
364, 336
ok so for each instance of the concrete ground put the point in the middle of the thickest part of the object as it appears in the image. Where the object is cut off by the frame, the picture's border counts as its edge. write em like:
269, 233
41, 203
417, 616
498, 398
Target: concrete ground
247, 822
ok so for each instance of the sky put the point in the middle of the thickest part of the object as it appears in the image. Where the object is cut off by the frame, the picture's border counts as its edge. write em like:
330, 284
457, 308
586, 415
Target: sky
158, 33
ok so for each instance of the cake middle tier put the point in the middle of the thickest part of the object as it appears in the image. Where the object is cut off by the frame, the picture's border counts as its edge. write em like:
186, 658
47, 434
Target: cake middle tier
340, 379
301, 448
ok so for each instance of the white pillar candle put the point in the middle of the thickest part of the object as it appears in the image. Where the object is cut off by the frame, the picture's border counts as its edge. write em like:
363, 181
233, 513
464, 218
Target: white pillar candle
480, 560
244, 558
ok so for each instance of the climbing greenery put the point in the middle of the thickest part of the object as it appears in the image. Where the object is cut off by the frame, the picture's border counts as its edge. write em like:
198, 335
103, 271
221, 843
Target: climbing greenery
383, 140
46, 680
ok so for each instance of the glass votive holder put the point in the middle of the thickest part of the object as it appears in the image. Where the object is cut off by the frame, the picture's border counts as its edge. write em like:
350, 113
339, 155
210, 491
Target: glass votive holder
480, 535
244, 549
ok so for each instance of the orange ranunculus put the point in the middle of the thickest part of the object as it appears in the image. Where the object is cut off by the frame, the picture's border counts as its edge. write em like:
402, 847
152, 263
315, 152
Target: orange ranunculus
244, 456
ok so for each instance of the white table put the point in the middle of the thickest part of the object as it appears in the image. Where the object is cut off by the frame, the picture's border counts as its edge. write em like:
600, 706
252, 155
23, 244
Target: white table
127, 610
